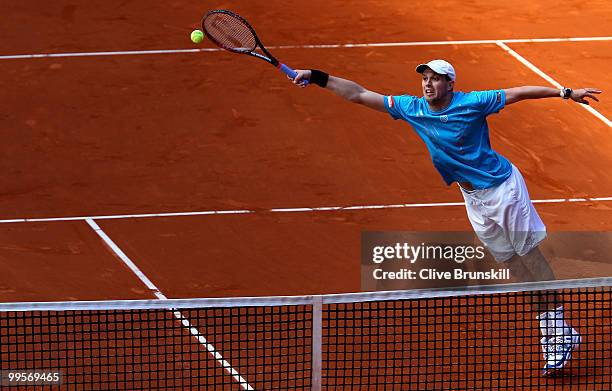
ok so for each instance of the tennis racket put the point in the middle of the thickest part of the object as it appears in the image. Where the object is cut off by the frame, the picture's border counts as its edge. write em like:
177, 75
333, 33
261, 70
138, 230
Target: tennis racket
232, 32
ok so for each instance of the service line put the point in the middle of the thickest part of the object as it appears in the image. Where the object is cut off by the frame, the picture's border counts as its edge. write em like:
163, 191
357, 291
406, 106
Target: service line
286, 210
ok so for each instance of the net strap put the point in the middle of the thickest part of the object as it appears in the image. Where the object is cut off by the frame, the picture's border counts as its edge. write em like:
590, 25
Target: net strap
317, 342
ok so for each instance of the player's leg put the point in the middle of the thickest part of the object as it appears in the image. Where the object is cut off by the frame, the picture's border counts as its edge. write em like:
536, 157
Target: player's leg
533, 266
525, 230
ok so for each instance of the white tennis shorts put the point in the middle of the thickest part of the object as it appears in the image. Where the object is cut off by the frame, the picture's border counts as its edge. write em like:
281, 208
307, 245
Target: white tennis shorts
504, 218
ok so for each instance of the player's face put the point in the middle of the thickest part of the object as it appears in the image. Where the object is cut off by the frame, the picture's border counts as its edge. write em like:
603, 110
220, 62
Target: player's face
435, 86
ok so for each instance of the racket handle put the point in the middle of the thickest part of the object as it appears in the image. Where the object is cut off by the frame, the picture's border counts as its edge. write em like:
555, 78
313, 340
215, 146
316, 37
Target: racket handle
290, 72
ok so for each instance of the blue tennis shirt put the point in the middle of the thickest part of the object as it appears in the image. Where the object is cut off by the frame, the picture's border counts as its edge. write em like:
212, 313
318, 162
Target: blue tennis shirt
458, 136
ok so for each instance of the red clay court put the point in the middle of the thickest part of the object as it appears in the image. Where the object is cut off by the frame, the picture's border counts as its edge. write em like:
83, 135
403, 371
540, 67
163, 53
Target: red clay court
139, 166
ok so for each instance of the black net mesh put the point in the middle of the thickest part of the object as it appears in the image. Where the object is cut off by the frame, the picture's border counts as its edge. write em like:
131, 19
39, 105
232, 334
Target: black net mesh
207, 348
410, 341
481, 342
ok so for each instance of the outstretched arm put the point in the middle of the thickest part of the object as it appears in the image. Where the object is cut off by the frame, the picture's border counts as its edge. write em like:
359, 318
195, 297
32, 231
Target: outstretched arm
347, 89
518, 94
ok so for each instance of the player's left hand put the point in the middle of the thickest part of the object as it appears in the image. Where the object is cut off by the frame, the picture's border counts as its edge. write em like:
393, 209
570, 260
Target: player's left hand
302, 75
582, 93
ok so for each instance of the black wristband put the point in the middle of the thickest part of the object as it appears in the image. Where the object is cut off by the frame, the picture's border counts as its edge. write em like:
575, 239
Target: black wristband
319, 78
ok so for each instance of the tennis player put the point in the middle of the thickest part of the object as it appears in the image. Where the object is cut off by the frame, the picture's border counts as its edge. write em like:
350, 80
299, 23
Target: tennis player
454, 127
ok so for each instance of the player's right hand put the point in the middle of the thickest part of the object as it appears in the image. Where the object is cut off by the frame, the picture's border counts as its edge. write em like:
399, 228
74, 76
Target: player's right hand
302, 75
579, 95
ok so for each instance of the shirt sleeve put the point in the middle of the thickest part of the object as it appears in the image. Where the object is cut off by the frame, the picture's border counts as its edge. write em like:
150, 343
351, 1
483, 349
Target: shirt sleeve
490, 102
398, 106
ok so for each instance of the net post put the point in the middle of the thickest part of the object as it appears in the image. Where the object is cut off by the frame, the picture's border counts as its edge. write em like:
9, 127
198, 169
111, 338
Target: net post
317, 338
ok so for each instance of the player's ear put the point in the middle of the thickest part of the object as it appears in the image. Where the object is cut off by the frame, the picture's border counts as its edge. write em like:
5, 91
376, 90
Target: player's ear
451, 85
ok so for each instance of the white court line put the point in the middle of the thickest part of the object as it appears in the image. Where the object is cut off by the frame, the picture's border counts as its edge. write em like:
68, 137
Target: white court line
282, 210
96, 54
321, 46
552, 81
177, 314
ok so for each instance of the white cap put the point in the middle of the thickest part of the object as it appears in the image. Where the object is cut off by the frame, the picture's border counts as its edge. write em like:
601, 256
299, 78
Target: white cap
439, 66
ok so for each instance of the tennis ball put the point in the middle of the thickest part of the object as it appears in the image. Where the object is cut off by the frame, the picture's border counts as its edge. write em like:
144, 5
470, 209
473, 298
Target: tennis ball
197, 36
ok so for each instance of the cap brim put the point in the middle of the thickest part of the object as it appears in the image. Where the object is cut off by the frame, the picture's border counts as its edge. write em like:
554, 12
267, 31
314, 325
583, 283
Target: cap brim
422, 67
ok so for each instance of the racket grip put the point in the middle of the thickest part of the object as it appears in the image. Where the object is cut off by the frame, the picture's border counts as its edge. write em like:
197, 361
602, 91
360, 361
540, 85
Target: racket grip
290, 72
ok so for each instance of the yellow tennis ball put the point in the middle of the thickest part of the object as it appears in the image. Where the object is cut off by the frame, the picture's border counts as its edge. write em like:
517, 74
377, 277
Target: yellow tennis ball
197, 36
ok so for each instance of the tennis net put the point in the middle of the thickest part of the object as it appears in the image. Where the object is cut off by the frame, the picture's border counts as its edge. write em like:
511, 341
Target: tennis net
476, 338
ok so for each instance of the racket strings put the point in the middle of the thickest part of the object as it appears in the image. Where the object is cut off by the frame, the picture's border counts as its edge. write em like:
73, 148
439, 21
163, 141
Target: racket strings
230, 32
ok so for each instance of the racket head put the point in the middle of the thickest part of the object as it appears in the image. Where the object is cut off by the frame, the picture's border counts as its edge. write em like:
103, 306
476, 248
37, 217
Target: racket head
230, 31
